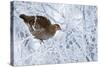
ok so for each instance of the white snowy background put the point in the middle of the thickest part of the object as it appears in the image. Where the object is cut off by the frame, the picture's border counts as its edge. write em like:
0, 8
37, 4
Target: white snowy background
76, 42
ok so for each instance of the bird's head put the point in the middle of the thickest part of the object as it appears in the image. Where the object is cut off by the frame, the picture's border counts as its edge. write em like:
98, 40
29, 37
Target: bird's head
57, 27
53, 28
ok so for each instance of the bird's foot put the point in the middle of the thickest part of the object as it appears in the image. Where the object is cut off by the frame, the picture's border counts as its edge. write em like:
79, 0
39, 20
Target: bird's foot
41, 42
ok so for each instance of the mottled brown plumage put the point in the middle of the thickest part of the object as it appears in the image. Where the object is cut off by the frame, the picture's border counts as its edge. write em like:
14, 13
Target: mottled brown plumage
40, 26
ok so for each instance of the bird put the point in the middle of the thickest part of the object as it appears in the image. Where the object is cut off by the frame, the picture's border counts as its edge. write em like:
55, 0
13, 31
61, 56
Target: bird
40, 26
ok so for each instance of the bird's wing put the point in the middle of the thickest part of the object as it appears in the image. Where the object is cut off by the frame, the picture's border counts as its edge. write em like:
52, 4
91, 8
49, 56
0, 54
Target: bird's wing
36, 22
42, 22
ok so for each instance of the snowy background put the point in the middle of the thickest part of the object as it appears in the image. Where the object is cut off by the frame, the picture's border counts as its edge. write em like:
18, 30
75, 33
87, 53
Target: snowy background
76, 42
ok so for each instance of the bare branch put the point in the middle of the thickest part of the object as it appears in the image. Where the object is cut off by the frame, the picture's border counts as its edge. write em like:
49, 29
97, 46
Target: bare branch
48, 14
39, 10
24, 39
45, 12
62, 15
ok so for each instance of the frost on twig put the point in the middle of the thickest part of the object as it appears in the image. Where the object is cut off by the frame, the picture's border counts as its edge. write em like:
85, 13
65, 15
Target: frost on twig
76, 42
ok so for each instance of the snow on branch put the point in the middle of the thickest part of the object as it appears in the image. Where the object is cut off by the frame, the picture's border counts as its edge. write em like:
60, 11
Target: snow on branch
58, 11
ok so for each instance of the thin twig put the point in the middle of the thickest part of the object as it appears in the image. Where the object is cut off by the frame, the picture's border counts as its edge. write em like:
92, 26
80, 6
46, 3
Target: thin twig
62, 15
48, 14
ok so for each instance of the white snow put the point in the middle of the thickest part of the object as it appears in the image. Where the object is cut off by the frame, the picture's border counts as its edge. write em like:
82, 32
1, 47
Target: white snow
76, 42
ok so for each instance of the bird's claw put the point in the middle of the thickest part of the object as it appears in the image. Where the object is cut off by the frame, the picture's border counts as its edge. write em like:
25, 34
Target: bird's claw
41, 42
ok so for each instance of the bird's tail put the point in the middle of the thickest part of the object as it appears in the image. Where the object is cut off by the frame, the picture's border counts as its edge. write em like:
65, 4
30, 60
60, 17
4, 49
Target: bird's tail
27, 19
